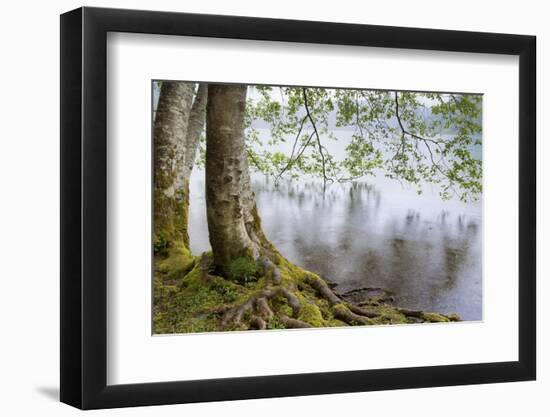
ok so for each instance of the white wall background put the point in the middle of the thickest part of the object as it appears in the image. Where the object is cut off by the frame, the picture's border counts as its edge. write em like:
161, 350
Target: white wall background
29, 225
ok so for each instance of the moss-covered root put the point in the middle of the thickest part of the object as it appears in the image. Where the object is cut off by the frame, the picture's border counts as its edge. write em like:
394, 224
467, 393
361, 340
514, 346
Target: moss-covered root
259, 310
270, 270
344, 311
430, 317
300, 311
269, 293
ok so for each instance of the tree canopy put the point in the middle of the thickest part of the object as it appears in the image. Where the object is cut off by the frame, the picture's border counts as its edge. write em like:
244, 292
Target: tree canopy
413, 137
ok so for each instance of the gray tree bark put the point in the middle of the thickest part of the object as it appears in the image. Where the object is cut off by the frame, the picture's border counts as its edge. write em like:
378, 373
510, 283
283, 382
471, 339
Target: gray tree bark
195, 128
169, 136
233, 223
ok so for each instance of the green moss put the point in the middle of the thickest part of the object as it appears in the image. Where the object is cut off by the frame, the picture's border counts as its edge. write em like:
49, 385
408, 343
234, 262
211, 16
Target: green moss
243, 270
311, 314
181, 213
229, 293
453, 317
274, 323
192, 304
160, 245
388, 315
290, 273
324, 308
335, 323
279, 303
189, 298
177, 264
434, 317
339, 308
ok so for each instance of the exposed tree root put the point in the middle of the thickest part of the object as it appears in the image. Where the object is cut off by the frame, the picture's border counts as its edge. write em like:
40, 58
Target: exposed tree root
362, 289
362, 311
257, 323
283, 296
423, 316
263, 308
292, 300
343, 313
258, 305
271, 270
257, 311
323, 289
347, 312
373, 301
366, 296
235, 314
291, 323
411, 313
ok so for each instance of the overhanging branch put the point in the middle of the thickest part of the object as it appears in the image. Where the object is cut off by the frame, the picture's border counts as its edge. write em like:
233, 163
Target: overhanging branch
320, 146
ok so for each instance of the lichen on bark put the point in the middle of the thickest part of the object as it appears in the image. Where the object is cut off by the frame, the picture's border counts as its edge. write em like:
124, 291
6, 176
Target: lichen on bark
230, 200
169, 133
195, 129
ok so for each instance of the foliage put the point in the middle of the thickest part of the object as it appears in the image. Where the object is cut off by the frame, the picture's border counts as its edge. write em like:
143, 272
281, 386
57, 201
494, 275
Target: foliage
242, 270
414, 137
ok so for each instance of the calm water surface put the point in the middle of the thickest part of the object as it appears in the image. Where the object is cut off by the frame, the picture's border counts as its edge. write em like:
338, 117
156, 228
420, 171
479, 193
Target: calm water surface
375, 233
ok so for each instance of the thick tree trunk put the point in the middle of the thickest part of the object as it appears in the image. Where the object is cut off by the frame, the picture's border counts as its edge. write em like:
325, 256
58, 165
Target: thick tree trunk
195, 128
169, 135
233, 223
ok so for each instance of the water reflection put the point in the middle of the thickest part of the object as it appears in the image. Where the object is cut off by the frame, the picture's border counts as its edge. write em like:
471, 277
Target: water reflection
371, 234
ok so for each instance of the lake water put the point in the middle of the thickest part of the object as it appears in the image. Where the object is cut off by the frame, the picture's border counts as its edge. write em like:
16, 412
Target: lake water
374, 233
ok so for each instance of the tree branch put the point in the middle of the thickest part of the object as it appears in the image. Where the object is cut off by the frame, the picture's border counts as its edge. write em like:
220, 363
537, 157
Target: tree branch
253, 159
310, 117
290, 161
357, 121
423, 140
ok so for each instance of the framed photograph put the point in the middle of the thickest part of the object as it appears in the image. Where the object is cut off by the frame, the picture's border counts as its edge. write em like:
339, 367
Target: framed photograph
258, 208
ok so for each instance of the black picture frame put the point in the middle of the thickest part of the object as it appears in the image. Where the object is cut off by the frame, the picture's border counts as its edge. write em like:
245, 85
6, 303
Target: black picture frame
84, 207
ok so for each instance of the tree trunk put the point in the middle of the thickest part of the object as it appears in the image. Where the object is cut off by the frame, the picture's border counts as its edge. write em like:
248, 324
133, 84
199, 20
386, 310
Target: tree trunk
169, 135
233, 224
194, 130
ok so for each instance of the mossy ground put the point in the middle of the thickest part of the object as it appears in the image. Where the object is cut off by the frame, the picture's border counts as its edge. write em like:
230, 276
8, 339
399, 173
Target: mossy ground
189, 298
